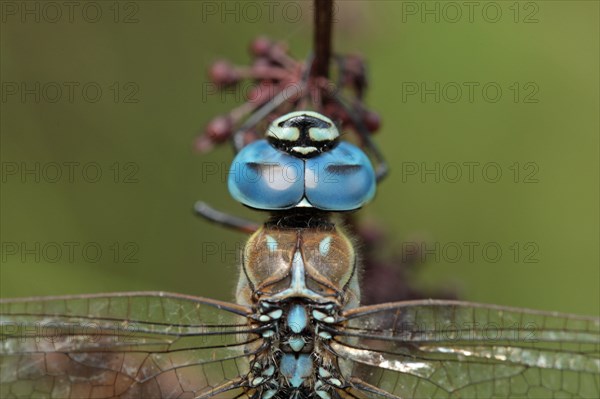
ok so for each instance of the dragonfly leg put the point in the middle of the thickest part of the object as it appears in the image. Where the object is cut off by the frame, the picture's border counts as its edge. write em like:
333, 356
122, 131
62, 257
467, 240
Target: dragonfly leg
204, 210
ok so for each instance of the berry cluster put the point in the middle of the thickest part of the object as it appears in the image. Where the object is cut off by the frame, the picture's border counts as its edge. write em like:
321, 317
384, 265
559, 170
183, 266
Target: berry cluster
282, 84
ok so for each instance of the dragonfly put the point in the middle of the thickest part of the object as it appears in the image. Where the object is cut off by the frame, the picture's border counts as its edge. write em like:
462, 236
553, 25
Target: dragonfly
298, 329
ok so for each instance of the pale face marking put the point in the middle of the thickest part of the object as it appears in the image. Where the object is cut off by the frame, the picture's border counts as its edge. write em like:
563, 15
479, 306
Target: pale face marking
304, 150
303, 133
283, 133
320, 134
292, 133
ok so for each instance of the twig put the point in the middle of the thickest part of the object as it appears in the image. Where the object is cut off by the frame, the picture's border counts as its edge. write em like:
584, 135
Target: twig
322, 38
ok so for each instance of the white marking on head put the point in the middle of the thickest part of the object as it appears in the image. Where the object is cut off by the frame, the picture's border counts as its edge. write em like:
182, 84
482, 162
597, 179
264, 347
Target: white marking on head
304, 150
287, 133
321, 134
291, 133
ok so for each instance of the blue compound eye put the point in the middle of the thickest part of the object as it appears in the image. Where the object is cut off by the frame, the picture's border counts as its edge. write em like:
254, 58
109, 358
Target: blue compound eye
303, 134
302, 164
263, 177
342, 179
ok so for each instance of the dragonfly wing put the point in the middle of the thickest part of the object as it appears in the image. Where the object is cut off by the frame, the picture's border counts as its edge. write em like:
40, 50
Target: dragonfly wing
128, 345
450, 349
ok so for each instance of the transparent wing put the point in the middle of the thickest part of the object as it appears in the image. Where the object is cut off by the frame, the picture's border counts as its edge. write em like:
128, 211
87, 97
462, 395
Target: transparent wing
449, 349
127, 345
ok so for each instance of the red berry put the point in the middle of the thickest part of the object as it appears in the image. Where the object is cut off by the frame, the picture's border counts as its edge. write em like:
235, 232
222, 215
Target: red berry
223, 73
260, 46
372, 121
219, 129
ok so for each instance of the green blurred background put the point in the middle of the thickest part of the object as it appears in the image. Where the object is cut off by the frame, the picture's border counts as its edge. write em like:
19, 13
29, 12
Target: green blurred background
149, 58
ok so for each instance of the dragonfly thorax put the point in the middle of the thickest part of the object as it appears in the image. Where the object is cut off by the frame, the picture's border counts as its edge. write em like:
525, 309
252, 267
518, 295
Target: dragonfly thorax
317, 265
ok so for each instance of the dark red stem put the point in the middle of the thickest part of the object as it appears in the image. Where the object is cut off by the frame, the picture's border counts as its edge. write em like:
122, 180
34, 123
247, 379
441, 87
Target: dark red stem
322, 38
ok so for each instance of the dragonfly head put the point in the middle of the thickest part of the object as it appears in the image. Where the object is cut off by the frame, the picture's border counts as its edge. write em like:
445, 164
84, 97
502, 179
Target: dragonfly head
303, 134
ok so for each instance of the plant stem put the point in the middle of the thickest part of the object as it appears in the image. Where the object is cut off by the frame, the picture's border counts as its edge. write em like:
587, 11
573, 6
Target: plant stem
322, 38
